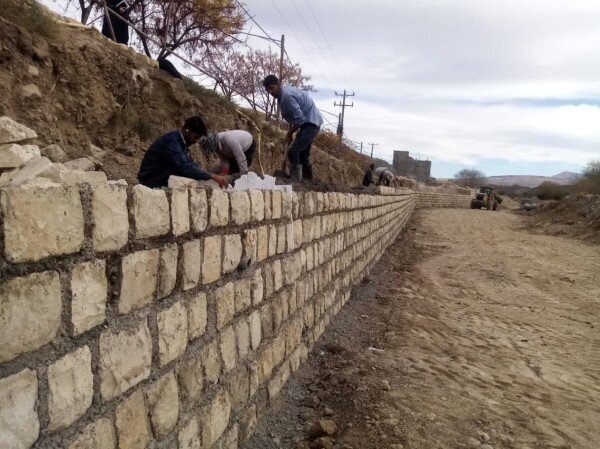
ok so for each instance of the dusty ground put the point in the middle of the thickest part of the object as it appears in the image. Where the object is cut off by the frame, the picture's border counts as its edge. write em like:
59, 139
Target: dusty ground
490, 337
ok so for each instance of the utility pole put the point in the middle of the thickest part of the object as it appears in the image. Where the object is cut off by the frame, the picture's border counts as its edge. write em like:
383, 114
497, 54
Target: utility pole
281, 59
343, 105
373, 145
361, 147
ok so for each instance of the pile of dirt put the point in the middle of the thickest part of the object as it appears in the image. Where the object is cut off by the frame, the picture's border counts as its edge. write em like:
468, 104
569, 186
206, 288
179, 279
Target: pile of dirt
76, 88
574, 216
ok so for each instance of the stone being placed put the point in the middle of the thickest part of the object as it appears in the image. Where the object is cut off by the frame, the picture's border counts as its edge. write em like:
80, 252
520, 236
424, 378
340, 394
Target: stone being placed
19, 423
41, 222
11, 131
110, 218
14, 156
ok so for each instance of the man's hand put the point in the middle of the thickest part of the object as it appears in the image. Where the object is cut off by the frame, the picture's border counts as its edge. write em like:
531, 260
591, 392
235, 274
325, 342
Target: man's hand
221, 180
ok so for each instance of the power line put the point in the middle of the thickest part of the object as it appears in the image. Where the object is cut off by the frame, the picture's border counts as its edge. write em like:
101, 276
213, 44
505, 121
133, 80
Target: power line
253, 20
372, 146
317, 46
297, 38
343, 105
326, 40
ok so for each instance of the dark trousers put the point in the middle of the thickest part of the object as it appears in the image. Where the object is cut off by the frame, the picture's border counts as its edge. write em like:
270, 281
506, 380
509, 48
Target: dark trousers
233, 165
120, 28
299, 152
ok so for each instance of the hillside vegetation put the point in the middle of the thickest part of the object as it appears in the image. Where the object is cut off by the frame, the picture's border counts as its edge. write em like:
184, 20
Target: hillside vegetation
76, 88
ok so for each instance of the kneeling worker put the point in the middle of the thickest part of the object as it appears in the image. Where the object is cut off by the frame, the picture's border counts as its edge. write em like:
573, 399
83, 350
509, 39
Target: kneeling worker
169, 156
234, 148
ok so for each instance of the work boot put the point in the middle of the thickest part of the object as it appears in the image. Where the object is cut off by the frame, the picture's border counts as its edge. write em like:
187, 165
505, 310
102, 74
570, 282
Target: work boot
307, 172
296, 173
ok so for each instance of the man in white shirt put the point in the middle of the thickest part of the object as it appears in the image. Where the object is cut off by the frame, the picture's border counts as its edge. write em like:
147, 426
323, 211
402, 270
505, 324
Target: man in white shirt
235, 150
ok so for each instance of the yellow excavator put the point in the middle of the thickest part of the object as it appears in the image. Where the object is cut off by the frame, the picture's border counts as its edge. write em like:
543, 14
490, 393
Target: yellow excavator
486, 197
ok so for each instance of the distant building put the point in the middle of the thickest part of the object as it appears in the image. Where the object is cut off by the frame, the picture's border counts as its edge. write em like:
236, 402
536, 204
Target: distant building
404, 165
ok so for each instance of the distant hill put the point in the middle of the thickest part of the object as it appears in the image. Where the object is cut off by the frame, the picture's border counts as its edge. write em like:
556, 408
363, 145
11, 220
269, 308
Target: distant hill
563, 178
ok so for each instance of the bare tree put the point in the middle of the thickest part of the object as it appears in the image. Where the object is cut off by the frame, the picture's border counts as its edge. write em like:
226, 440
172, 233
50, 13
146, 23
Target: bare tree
470, 178
228, 69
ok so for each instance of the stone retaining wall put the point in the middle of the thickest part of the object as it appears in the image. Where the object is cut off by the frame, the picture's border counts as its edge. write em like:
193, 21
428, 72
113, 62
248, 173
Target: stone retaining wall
438, 199
134, 318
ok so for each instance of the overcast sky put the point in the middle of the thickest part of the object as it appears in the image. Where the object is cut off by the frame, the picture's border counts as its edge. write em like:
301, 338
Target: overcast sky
506, 86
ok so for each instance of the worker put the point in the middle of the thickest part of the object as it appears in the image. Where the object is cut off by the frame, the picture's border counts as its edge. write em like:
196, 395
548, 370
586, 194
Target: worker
299, 110
235, 150
120, 28
368, 178
384, 176
169, 156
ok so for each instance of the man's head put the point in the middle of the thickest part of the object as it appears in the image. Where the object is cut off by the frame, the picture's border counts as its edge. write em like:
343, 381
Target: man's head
210, 144
372, 166
193, 130
272, 85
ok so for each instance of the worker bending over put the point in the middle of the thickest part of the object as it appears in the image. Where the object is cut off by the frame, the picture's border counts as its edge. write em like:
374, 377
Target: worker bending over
384, 176
235, 150
299, 110
169, 156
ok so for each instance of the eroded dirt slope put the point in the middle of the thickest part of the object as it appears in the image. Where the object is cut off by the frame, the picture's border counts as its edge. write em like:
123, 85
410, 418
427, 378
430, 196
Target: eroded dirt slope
491, 340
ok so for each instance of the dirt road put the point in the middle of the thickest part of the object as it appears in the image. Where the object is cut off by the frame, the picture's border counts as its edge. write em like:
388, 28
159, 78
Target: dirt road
491, 339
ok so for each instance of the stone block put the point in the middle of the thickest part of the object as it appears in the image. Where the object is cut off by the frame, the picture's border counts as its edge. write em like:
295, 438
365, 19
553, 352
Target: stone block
215, 418
211, 265
131, 419
281, 239
268, 203
286, 205
32, 172
266, 320
230, 439
89, 288
225, 304
272, 240
240, 207
211, 355
262, 243
40, 222
228, 348
172, 333
150, 210
197, 316
242, 334
11, 131
198, 210
257, 287
163, 402
248, 422
98, 435
167, 272
125, 359
189, 435
139, 280
298, 236
278, 381
249, 245
243, 294
276, 206
219, 208
238, 388
180, 211
191, 379
232, 253
290, 244
81, 163
110, 229
19, 423
70, 388
257, 205
191, 264
30, 313
14, 156
277, 275
55, 153
255, 325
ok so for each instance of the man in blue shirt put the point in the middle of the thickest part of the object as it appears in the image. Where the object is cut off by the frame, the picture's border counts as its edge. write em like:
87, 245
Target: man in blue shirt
169, 155
299, 110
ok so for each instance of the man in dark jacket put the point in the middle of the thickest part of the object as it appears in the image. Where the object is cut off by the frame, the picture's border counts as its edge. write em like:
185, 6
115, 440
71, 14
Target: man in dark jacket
120, 28
169, 155
368, 178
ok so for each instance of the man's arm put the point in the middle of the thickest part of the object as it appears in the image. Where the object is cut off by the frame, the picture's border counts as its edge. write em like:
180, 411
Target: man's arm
187, 168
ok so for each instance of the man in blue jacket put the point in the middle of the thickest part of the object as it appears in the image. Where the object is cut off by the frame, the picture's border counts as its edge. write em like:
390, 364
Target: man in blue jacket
299, 110
169, 155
